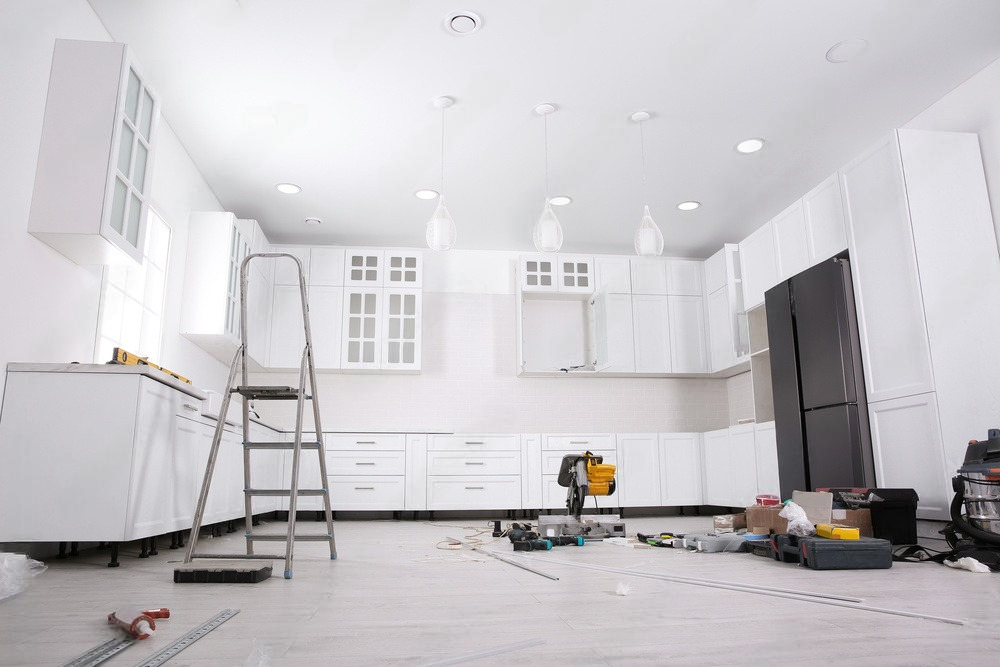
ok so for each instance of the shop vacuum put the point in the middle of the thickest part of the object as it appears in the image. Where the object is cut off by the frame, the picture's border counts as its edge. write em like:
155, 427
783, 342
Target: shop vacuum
974, 529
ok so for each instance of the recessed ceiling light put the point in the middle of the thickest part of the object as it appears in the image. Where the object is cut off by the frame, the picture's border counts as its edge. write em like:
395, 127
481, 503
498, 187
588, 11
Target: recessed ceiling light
688, 205
561, 200
314, 222
462, 23
426, 194
750, 145
843, 51
288, 188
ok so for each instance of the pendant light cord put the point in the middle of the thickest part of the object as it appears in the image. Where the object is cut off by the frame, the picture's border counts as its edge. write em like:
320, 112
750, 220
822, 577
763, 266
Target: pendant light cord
545, 121
442, 154
642, 149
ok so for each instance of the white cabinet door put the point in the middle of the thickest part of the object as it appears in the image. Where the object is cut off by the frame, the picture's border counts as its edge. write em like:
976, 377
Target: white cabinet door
743, 459
680, 466
403, 269
638, 472
361, 339
401, 323
286, 271
717, 469
94, 170
259, 304
326, 266
651, 327
759, 265
826, 232
576, 273
688, 353
790, 245
887, 293
767, 458
650, 275
150, 490
722, 349
906, 440
612, 275
538, 273
326, 308
363, 267
685, 277
288, 338
613, 331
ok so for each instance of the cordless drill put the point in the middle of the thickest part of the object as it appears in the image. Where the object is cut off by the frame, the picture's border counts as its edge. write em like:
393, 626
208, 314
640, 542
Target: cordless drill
525, 539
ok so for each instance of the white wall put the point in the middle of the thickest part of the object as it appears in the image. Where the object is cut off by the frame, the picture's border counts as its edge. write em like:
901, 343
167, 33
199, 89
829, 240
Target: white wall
973, 106
48, 304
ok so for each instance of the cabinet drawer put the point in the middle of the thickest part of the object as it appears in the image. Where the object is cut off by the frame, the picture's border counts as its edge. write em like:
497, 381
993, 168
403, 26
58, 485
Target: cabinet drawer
474, 443
365, 441
579, 443
365, 463
366, 493
465, 463
554, 497
552, 460
469, 492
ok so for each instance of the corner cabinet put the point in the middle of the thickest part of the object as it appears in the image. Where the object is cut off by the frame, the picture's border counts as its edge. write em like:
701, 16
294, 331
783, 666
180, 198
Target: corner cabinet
94, 169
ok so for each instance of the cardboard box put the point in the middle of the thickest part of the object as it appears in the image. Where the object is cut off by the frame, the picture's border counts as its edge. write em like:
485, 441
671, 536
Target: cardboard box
729, 523
765, 520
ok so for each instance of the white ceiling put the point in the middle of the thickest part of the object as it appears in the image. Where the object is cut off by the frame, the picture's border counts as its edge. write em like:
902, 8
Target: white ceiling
337, 97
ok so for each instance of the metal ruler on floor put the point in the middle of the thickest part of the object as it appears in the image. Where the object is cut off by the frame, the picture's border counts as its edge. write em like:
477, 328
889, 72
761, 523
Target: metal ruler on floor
99, 654
179, 645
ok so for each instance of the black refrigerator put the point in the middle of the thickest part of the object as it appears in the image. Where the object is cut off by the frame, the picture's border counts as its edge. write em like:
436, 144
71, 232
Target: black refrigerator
820, 410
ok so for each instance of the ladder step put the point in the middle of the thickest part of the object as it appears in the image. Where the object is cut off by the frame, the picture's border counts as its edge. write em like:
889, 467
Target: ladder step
284, 538
284, 492
280, 445
269, 393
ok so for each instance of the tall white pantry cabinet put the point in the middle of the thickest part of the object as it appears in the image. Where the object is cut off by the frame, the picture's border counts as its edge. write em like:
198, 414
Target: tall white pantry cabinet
926, 275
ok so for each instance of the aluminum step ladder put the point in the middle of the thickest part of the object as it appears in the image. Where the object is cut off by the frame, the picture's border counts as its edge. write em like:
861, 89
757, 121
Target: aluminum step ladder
306, 391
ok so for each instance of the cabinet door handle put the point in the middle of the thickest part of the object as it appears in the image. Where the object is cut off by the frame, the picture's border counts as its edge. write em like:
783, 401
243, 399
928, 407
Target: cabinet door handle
475, 463
473, 488
364, 463
188, 406
364, 442
579, 442
364, 488
474, 442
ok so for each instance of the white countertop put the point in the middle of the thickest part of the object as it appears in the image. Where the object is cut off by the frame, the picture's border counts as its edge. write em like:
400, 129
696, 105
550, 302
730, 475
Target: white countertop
148, 371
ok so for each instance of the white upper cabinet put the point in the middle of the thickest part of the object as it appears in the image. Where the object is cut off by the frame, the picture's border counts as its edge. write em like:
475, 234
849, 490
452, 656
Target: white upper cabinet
791, 251
326, 266
286, 271
649, 275
688, 337
557, 273
374, 267
613, 275
724, 308
94, 170
651, 326
614, 341
826, 231
403, 269
685, 277
758, 264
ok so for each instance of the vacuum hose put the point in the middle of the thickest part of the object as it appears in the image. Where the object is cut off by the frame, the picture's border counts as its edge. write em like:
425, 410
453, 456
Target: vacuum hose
964, 526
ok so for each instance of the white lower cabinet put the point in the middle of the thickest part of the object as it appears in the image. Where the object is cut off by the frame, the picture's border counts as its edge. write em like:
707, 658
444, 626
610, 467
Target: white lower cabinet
365, 471
555, 446
680, 469
735, 459
766, 446
639, 470
473, 472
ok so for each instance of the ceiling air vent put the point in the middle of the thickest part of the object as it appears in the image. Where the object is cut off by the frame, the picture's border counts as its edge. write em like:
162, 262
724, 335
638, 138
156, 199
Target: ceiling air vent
462, 23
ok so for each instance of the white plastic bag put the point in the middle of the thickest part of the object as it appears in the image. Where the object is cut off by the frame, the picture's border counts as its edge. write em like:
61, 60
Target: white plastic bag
798, 523
15, 572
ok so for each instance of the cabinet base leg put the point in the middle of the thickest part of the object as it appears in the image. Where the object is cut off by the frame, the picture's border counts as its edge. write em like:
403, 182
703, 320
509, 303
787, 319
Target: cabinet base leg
62, 550
143, 553
114, 555
152, 546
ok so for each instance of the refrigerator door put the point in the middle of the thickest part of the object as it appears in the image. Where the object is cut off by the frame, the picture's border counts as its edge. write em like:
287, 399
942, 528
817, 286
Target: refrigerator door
789, 431
828, 360
836, 439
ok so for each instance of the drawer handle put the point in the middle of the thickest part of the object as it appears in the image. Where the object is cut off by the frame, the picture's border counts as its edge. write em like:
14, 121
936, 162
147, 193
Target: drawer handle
475, 463
474, 488
364, 488
579, 442
364, 442
188, 406
474, 442
364, 463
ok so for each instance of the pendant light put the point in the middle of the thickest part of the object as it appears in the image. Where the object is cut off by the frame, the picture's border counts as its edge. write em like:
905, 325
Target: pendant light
648, 239
547, 233
441, 228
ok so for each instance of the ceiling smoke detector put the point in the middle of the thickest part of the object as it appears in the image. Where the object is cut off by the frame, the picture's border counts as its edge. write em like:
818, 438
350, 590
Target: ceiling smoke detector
462, 23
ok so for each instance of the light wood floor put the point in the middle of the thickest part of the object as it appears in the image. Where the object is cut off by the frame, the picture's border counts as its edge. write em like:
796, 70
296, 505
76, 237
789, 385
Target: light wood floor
393, 598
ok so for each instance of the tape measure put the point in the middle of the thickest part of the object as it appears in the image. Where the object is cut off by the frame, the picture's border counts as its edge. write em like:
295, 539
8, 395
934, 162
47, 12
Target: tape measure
120, 356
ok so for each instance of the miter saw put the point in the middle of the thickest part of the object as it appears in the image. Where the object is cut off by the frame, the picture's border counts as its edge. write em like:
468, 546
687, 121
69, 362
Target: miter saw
584, 475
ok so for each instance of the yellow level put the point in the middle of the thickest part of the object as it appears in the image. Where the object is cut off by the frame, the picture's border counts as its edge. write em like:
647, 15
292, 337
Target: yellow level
120, 356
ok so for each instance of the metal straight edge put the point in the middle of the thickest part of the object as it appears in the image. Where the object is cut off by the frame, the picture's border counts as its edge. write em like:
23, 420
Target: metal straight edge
503, 559
179, 645
99, 654
805, 597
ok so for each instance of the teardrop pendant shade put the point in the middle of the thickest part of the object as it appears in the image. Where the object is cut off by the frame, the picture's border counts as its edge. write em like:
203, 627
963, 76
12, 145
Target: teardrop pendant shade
547, 233
648, 239
441, 228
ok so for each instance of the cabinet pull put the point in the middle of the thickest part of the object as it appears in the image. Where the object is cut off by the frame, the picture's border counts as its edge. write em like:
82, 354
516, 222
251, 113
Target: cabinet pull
188, 406
579, 442
364, 463
474, 488
475, 463
474, 442
364, 442
364, 488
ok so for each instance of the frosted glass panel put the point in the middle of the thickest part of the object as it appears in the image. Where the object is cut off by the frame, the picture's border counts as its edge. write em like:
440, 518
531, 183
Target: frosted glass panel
132, 96
369, 353
125, 150
134, 213
139, 171
118, 206
147, 115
